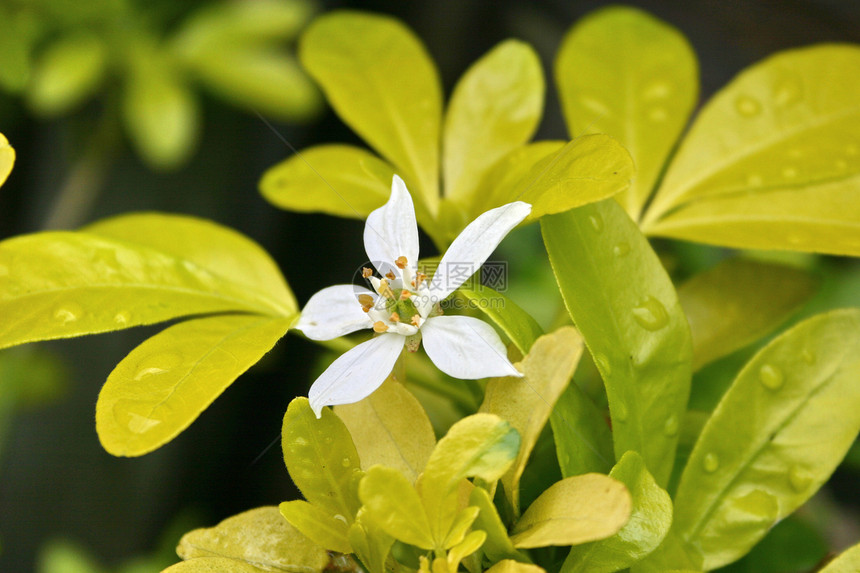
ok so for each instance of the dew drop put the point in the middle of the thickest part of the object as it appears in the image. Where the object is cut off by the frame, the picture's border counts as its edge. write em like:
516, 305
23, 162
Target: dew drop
122, 318
808, 357
594, 105
657, 90
300, 442
789, 172
596, 222
327, 440
747, 106
799, 479
771, 377
619, 412
658, 114
621, 249
602, 364
68, 313
345, 462
754, 180
134, 415
156, 364
840, 164
651, 314
340, 517
851, 149
711, 462
670, 427
788, 93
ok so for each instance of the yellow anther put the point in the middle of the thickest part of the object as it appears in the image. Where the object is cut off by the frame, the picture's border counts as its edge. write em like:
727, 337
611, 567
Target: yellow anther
379, 326
366, 302
390, 275
401, 262
419, 278
416, 319
385, 290
405, 294
394, 317
366, 272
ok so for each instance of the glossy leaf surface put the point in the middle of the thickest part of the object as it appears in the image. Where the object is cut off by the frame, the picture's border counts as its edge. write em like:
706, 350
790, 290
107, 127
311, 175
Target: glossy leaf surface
68, 72
511, 566
626, 308
318, 525
7, 158
336, 179
847, 562
213, 565
380, 80
498, 545
776, 436
369, 542
575, 510
649, 523
527, 402
516, 323
739, 301
390, 428
770, 163
625, 73
392, 502
165, 383
321, 458
495, 107
583, 440
274, 544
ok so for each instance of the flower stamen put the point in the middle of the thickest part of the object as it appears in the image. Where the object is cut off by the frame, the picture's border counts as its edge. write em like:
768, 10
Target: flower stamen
394, 317
405, 294
366, 302
401, 262
379, 326
366, 272
416, 320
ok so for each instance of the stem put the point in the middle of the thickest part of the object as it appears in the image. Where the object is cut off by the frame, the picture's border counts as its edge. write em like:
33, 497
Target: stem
87, 176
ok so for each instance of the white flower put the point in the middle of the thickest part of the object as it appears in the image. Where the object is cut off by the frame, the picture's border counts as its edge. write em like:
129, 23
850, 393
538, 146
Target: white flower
404, 310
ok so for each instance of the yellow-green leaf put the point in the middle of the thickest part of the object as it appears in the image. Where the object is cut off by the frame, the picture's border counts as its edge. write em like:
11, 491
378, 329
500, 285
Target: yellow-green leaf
67, 73
219, 250
65, 284
516, 323
260, 537
165, 383
394, 505
771, 160
583, 440
481, 445
624, 304
511, 566
160, 112
318, 525
391, 428
498, 545
7, 158
214, 565
380, 80
778, 433
575, 510
369, 542
321, 459
336, 179
495, 108
649, 523
625, 73
847, 562
739, 301
527, 402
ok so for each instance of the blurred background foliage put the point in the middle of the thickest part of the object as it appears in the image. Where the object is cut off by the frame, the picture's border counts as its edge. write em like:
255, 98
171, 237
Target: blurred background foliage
123, 105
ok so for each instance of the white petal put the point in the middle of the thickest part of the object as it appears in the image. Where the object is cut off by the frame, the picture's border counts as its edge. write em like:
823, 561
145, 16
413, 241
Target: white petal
472, 247
333, 312
356, 373
392, 231
465, 347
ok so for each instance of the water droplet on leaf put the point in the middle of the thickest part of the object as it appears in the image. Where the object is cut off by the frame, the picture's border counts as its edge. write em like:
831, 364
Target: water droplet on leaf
747, 106
754, 180
619, 412
122, 318
340, 517
808, 356
595, 106
345, 462
157, 363
135, 415
658, 114
68, 313
602, 364
711, 462
771, 377
670, 428
596, 222
789, 172
651, 314
788, 93
621, 249
657, 90
799, 479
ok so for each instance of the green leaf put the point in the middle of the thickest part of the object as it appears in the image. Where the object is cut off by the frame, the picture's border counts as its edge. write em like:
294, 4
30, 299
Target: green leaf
482, 446
65, 284
260, 537
793, 545
738, 302
380, 80
67, 73
495, 107
336, 179
649, 523
583, 440
776, 436
317, 524
510, 566
394, 505
62, 556
214, 565
369, 542
7, 158
516, 323
498, 545
626, 308
625, 73
321, 459
770, 162
165, 383
160, 112
391, 428
588, 169
217, 249
847, 562
575, 510
527, 402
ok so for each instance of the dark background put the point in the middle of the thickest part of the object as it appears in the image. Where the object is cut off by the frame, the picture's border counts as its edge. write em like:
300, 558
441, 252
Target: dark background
55, 480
